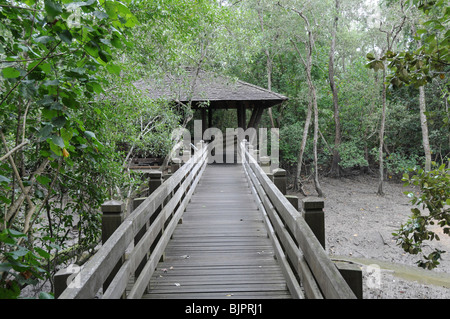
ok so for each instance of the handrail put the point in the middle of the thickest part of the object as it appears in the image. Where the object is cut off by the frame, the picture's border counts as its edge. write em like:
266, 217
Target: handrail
95, 272
303, 249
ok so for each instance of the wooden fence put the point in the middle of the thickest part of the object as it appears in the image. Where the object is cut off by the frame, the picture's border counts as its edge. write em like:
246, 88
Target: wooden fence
150, 227
308, 270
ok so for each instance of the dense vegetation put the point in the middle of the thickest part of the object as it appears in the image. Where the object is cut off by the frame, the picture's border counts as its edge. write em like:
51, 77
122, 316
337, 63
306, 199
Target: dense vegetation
367, 84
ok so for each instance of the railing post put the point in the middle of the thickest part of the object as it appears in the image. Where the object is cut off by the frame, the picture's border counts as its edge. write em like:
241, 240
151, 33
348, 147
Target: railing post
155, 180
176, 163
315, 217
246, 145
166, 176
279, 179
113, 215
265, 164
251, 151
293, 200
186, 155
199, 145
353, 276
61, 278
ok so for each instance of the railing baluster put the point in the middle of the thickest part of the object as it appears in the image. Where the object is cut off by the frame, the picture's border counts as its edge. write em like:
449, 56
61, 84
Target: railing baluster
139, 235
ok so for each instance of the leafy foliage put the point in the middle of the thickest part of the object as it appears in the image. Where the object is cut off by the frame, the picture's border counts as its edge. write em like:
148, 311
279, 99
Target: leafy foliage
431, 59
53, 56
434, 201
20, 266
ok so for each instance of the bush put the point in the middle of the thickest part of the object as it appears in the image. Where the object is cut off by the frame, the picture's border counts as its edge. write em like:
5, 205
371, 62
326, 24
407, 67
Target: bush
397, 164
434, 199
351, 155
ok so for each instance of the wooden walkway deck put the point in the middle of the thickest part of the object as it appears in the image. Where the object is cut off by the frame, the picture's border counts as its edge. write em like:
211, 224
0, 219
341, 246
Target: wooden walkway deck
221, 250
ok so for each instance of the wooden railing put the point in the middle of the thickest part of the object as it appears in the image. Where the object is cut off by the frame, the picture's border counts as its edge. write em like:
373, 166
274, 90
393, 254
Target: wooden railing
150, 227
308, 269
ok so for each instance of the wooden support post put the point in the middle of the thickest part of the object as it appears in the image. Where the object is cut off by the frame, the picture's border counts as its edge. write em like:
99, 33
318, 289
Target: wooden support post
210, 111
279, 179
293, 200
61, 279
353, 276
155, 180
258, 117
204, 122
251, 151
241, 116
176, 163
186, 156
166, 176
113, 215
265, 164
251, 122
315, 217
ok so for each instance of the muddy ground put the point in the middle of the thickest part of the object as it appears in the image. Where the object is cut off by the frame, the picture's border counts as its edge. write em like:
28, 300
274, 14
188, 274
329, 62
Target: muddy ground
358, 228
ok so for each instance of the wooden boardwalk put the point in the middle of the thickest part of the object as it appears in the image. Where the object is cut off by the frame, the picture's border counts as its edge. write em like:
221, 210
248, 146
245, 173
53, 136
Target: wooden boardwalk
221, 249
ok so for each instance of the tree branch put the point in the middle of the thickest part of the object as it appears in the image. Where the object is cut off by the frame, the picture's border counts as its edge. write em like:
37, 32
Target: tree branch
18, 147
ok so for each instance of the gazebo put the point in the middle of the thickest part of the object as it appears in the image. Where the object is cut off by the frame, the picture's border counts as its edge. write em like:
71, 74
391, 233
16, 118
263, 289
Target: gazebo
199, 88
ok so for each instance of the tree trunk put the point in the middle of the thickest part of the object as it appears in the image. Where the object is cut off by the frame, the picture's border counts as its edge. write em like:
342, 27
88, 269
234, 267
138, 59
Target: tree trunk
383, 120
269, 84
335, 168
316, 134
424, 125
313, 101
297, 183
268, 66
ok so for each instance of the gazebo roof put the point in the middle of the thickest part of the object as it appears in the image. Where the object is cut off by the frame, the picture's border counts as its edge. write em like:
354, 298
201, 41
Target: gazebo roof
202, 86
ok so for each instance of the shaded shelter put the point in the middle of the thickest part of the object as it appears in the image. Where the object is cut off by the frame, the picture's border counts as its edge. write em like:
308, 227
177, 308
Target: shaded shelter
209, 91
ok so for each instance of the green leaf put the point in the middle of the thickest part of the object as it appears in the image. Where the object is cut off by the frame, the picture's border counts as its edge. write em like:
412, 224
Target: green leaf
66, 134
45, 132
66, 36
44, 39
90, 134
44, 180
100, 15
55, 149
42, 253
45, 295
51, 82
5, 267
58, 141
22, 251
112, 68
59, 121
53, 8
4, 179
15, 233
10, 73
